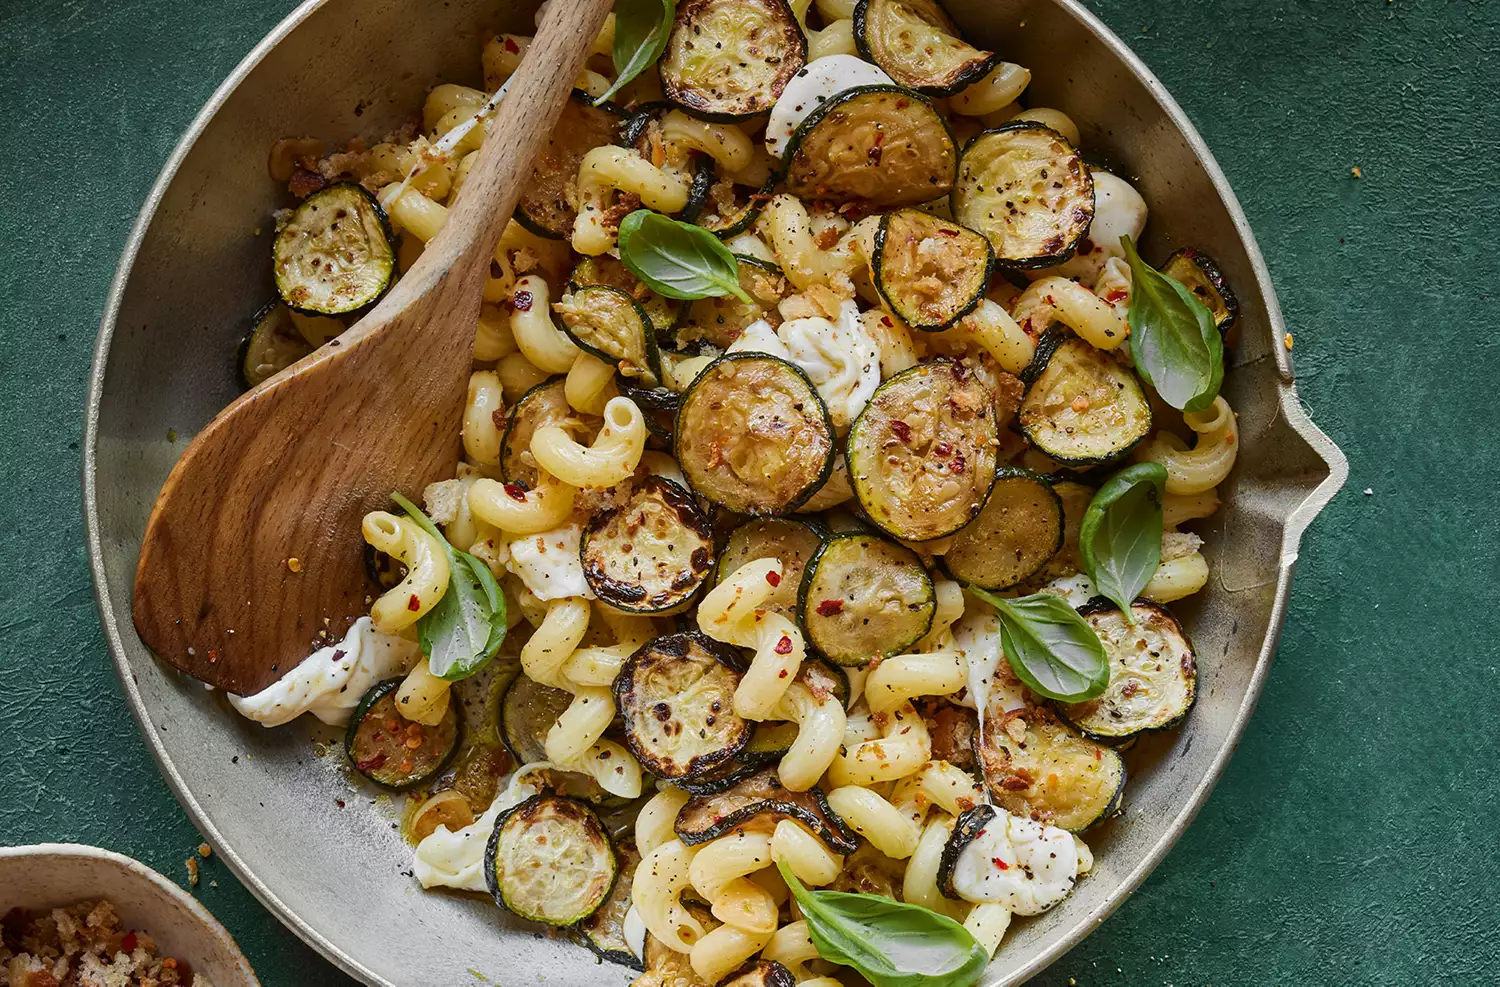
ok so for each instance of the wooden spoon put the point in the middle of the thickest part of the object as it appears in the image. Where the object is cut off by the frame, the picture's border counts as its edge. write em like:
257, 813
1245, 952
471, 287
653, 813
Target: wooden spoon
253, 556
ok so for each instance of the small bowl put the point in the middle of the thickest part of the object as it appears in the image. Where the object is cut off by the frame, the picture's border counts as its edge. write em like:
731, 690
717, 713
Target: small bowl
53, 875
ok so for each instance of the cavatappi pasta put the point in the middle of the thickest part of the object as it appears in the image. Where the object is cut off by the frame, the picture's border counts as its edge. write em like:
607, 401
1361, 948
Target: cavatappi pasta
735, 539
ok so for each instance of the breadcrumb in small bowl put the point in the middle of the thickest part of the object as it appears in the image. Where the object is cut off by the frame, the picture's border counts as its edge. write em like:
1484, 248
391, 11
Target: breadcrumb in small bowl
84, 917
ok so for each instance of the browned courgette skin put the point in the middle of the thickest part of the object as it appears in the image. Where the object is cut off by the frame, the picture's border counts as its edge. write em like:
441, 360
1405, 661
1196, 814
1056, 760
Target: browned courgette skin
759, 973
970, 824
706, 818
379, 750
545, 208
510, 836
651, 553
708, 733
867, 11
769, 59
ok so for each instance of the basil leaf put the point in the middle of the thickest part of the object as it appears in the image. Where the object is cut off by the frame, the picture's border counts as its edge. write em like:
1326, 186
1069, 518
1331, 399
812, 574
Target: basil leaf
1120, 537
678, 260
466, 627
641, 31
1052, 649
1173, 339
892, 944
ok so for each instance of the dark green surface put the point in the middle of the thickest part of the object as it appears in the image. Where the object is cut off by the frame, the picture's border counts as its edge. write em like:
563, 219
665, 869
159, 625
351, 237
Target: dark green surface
1353, 838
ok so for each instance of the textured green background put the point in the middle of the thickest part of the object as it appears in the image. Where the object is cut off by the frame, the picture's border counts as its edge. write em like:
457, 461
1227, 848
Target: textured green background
1353, 838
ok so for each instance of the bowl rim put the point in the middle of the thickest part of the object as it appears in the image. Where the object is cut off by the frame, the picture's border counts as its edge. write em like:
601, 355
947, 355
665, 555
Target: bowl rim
149, 875
1288, 403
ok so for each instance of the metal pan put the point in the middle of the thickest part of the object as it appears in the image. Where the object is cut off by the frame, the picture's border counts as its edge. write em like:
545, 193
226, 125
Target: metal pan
195, 268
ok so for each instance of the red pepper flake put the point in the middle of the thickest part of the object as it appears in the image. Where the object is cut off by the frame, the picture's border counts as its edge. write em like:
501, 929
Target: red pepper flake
511, 46
522, 301
830, 607
1002, 865
415, 603
902, 103
781, 674
128, 943
902, 430
371, 764
774, 578
515, 492
213, 656
942, 447
885, 320
1118, 295
784, 647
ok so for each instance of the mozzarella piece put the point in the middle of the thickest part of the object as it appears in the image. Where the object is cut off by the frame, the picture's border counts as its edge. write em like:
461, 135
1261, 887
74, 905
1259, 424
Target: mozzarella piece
841, 359
759, 337
456, 859
1024, 865
1119, 211
634, 929
818, 81
549, 563
976, 636
1077, 589
330, 682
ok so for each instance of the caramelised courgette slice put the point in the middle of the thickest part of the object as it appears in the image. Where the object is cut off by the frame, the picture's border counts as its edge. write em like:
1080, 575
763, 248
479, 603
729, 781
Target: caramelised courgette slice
719, 321
650, 553
528, 711
759, 973
544, 404
613, 326
727, 60
918, 45
549, 201
922, 453
379, 740
550, 861
1200, 274
1027, 189
792, 540
762, 796
731, 209
676, 696
1153, 673
753, 435
1076, 497
336, 254
1039, 767
930, 271
863, 597
604, 269
769, 743
648, 396
1083, 406
604, 931
272, 344
879, 146
1017, 531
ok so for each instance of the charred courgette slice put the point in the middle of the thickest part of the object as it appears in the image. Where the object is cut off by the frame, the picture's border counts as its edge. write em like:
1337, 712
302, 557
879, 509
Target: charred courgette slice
792, 540
762, 796
550, 861
336, 254
879, 146
1027, 189
1200, 274
604, 269
753, 436
544, 404
1084, 406
918, 45
922, 453
759, 973
604, 931
549, 201
613, 326
528, 711
1039, 767
1153, 674
1017, 531
378, 739
676, 696
930, 271
732, 209
719, 321
272, 344
650, 553
1075, 497
864, 597
727, 60
768, 744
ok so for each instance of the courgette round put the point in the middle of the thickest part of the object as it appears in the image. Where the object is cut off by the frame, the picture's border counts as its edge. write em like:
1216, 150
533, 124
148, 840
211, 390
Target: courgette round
544, 404
727, 60
1153, 673
1017, 531
879, 146
336, 254
763, 798
676, 697
918, 45
732, 209
863, 597
753, 435
604, 931
378, 740
922, 453
550, 861
1027, 189
1075, 497
931, 272
1200, 274
648, 397
528, 711
549, 203
650, 553
792, 540
1084, 406
272, 344
609, 323
759, 973
719, 321
604, 269
1039, 767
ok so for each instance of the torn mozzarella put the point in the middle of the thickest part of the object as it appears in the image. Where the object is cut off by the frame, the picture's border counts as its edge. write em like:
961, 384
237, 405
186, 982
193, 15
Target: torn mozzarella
549, 563
1022, 864
841, 359
1077, 589
976, 636
456, 859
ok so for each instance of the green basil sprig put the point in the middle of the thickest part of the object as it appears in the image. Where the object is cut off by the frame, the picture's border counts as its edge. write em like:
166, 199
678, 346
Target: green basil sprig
1120, 537
892, 944
641, 31
467, 626
1173, 339
678, 260
1051, 648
